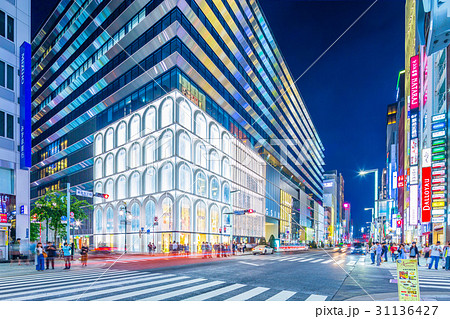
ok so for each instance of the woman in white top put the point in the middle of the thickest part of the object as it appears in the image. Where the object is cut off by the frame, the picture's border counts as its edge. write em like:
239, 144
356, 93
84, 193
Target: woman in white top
40, 257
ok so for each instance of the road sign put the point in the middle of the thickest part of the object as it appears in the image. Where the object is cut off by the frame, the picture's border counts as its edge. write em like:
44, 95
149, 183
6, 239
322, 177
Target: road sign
64, 219
148, 231
72, 215
84, 193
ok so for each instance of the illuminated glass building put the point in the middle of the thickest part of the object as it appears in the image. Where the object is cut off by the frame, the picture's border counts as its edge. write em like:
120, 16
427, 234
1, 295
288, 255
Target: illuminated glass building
103, 74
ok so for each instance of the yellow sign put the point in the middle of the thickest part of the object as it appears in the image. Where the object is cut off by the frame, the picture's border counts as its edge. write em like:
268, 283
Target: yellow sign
438, 204
408, 280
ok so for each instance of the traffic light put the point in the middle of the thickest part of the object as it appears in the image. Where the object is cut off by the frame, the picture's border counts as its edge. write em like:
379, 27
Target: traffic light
399, 223
220, 230
249, 211
105, 196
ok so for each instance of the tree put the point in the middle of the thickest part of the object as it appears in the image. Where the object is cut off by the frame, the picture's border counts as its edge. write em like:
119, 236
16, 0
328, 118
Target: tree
262, 241
34, 231
272, 241
51, 207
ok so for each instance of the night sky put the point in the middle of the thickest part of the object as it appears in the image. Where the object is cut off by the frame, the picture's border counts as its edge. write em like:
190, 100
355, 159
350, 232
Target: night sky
348, 90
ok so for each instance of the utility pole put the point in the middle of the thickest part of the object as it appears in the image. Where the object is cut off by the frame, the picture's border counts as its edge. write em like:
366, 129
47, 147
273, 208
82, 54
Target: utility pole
68, 213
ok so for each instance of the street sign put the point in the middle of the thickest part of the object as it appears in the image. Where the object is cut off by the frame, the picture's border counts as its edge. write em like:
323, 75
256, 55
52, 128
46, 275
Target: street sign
84, 193
148, 231
72, 215
438, 219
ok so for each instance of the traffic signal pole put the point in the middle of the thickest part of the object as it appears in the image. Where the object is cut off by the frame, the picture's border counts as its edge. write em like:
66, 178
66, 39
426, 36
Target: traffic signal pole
68, 213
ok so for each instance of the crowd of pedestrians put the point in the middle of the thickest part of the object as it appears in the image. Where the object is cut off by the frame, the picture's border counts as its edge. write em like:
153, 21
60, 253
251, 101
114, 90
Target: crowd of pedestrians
208, 250
433, 254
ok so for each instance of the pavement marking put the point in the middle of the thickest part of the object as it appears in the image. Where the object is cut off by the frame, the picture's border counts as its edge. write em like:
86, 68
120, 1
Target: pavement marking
247, 263
315, 261
286, 258
79, 288
214, 293
316, 298
351, 263
147, 290
248, 294
307, 259
327, 261
182, 291
282, 296
340, 261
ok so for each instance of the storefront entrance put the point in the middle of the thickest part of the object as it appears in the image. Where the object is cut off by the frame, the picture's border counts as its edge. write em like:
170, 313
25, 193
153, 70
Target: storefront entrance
200, 239
166, 239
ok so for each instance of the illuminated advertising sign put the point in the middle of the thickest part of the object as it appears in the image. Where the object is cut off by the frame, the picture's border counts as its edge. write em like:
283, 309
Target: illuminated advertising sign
394, 180
414, 151
413, 204
3, 218
438, 165
328, 184
438, 173
438, 212
438, 157
438, 196
414, 82
438, 180
438, 219
414, 123
426, 194
426, 157
401, 182
438, 126
438, 134
438, 204
438, 142
25, 105
438, 117
414, 175
438, 188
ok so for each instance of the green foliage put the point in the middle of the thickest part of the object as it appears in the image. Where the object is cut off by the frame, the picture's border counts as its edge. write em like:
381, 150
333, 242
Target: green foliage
53, 206
272, 241
34, 231
262, 241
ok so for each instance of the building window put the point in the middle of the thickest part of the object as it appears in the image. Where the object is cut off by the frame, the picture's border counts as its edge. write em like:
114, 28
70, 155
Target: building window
185, 178
109, 165
214, 137
134, 184
150, 120
226, 168
166, 214
135, 155
184, 146
109, 220
226, 143
200, 215
215, 194
6, 125
98, 168
226, 216
226, 193
98, 144
109, 140
98, 221
6, 181
200, 181
149, 214
200, 125
10, 29
214, 162
121, 160
135, 217
110, 189
98, 189
150, 181
6, 75
121, 187
2, 23
184, 115
166, 177
215, 220
121, 134
166, 145
166, 112
185, 214
135, 127
150, 150
6, 26
200, 155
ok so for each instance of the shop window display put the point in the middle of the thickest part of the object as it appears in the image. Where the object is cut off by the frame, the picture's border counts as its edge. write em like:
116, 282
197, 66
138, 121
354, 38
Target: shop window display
201, 217
185, 214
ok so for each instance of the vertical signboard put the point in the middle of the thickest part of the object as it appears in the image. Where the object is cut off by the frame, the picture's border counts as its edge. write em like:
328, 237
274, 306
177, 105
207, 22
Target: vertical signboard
414, 93
25, 105
426, 185
413, 204
408, 280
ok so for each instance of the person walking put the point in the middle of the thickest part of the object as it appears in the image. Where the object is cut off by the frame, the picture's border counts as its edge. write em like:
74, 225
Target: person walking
394, 253
84, 255
379, 251
447, 256
149, 246
67, 255
414, 253
385, 252
426, 254
372, 253
435, 254
51, 254
40, 257
401, 252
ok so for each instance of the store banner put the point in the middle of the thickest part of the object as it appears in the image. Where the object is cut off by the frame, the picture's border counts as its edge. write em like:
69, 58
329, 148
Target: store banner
25, 105
408, 280
414, 151
413, 205
414, 175
414, 123
426, 194
414, 92
426, 157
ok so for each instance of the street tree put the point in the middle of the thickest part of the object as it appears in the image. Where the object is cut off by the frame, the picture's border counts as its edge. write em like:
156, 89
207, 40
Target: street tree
51, 207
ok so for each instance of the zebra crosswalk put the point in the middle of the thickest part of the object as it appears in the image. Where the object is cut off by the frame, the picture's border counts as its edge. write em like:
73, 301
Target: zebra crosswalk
101, 285
430, 279
320, 259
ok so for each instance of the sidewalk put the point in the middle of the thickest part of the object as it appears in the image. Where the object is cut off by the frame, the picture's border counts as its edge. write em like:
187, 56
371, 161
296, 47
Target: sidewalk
394, 297
422, 264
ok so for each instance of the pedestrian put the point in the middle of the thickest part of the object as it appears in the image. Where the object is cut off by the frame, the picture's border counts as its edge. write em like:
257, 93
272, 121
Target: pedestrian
447, 256
187, 249
372, 253
414, 253
170, 248
67, 255
435, 254
51, 254
149, 247
426, 254
203, 248
407, 250
40, 257
175, 248
385, 252
84, 255
394, 252
243, 247
401, 252
379, 251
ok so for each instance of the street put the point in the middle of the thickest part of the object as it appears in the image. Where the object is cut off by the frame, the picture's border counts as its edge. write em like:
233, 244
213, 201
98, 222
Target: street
316, 275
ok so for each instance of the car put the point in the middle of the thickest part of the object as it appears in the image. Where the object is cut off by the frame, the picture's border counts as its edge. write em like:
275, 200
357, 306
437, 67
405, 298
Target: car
262, 250
358, 249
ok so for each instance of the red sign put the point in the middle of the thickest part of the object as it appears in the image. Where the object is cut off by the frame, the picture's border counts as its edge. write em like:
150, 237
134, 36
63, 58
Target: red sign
414, 94
400, 182
426, 194
3, 218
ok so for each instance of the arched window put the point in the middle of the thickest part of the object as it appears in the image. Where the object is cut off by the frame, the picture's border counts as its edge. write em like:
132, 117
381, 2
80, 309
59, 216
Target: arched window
226, 168
121, 187
200, 182
98, 168
150, 181
226, 143
135, 155
121, 134
200, 125
109, 139
185, 115
184, 146
150, 120
185, 178
166, 177
121, 160
215, 220
149, 214
226, 216
98, 144
109, 220
109, 165
98, 189
150, 150
98, 221
109, 189
226, 193
200, 155
185, 214
135, 217
166, 112
134, 184
135, 127
215, 194
200, 215
167, 211
166, 144
122, 217
214, 162
214, 137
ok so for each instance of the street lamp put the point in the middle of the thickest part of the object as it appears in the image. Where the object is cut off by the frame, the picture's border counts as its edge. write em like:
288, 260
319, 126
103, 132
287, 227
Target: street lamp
375, 171
231, 217
127, 214
371, 223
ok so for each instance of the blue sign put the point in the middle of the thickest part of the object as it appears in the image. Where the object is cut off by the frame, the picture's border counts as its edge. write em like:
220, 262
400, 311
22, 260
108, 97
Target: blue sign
438, 126
148, 231
25, 105
22, 210
63, 218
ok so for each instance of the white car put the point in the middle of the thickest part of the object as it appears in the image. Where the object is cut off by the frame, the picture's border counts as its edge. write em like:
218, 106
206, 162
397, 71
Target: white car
262, 250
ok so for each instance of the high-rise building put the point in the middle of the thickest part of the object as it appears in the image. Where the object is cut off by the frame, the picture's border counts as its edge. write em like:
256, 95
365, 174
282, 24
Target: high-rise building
184, 112
15, 19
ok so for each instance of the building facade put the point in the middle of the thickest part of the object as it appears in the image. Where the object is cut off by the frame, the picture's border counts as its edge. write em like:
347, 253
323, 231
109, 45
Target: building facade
217, 57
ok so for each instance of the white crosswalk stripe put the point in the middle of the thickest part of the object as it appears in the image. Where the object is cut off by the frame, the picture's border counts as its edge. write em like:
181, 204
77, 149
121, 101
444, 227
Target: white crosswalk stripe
316, 298
429, 278
282, 296
351, 263
327, 261
215, 293
248, 294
